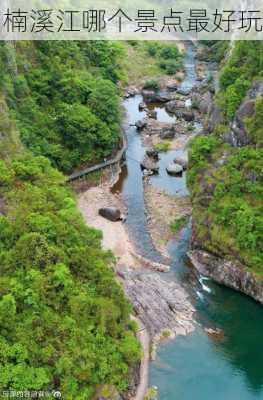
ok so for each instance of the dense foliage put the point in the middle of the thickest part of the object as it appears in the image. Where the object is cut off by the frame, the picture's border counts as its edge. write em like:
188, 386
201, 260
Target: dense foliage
64, 319
60, 95
225, 181
244, 64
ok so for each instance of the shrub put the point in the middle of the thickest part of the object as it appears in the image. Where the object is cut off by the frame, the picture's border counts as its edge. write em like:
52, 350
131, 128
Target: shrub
178, 224
152, 85
169, 51
162, 146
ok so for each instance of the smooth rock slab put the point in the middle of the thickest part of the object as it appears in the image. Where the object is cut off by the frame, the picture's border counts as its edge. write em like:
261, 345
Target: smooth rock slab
160, 304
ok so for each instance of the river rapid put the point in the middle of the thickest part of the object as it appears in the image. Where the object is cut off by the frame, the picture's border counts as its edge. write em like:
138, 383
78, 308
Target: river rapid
198, 366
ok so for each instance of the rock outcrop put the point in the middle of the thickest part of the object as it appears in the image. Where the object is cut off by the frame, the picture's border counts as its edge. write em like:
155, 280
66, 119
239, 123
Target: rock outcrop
151, 96
168, 132
149, 163
174, 105
160, 304
227, 273
141, 124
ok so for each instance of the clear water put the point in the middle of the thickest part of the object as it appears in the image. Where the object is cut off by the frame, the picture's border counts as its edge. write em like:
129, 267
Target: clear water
195, 367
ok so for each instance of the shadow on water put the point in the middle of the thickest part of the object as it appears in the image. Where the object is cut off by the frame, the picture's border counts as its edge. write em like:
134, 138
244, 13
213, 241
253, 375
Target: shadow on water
198, 366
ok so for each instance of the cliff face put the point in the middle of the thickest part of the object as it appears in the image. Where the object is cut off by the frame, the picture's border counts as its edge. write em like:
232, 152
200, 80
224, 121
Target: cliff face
228, 273
225, 181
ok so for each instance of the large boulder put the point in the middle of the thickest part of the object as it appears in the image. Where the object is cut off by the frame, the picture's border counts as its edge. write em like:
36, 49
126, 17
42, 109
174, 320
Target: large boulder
152, 153
111, 213
202, 102
141, 124
215, 118
174, 169
164, 97
149, 164
168, 132
151, 96
174, 105
182, 160
239, 136
188, 116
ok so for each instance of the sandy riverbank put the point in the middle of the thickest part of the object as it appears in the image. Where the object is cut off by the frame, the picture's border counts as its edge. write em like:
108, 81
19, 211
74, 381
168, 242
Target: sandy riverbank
116, 239
115, 236
162, 210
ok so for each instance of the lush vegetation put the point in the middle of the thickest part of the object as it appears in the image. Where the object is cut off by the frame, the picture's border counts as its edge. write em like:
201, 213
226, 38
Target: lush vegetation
60, 96
244, 65
163, 146
226, 182
178, 224
150, 60
64, 321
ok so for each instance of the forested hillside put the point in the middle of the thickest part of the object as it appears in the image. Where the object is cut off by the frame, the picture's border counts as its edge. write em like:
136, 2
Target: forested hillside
60, 95
226, 164
64, 319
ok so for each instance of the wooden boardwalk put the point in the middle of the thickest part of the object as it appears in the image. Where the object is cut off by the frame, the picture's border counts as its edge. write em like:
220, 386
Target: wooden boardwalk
117, 158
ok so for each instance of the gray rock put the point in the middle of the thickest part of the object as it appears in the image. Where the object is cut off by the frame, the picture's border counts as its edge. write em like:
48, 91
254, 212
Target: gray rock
239, 134
141, 124
172, 87
149, 164
174, 169
142, 106
205, 102
215, 118
256, 90
184, 91
174, 105
150, 96
160, 304
228, 273
131, 92
167, 132
182, 160
188, 116
153, 154
164, 97
111, 213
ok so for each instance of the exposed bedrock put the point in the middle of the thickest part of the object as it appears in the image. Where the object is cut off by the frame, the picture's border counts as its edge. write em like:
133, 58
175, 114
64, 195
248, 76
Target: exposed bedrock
160, 304
228, 273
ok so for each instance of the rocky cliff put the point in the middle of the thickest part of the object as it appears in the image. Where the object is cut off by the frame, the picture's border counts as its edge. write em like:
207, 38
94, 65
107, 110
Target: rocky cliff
225, 180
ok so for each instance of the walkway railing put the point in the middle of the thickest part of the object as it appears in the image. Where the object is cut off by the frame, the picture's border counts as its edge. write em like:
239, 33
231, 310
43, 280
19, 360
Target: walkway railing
117, 158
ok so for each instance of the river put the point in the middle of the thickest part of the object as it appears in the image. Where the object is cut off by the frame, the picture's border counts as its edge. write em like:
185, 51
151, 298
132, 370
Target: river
198, 366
